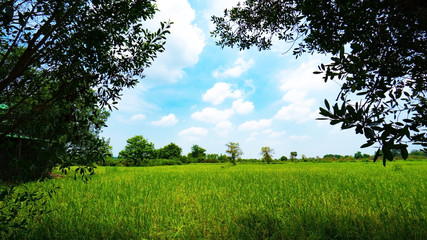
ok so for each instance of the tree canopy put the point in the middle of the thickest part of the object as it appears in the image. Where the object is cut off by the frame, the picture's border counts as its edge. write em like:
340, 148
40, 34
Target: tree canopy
233, 149
379, 59
63, 63
170, 151
138, 150
267, 154
197, 152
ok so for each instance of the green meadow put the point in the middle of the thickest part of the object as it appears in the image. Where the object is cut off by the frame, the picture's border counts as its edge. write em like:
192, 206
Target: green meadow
352, 200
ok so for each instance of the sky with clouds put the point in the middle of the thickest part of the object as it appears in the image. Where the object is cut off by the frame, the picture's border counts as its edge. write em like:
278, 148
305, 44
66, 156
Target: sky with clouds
198, 93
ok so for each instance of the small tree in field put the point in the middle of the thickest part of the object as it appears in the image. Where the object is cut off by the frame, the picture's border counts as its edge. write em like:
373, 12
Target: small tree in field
198, 152
267, 154
138, 150
293, 155
234, 151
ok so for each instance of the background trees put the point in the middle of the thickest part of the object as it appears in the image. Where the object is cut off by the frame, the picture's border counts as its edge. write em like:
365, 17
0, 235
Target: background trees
379, 57
267, 154
293, 155
197, 152
234, 151
138, 150
170, 151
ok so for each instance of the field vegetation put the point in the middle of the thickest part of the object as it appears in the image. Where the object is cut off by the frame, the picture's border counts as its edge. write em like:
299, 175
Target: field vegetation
294, 200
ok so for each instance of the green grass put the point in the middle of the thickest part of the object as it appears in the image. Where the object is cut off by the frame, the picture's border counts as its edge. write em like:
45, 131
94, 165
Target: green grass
248, 201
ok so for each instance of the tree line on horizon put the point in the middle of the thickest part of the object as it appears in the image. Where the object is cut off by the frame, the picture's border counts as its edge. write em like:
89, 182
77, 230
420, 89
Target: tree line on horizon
141, 152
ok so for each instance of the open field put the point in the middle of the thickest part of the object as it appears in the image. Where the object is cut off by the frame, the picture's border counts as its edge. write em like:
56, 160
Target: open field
249, 201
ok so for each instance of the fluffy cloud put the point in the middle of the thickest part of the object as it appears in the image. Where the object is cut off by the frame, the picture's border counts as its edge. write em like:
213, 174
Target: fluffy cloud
294, 96
219, 92
212, 115
241, 107
223, 128
137, 117
193, 133
302, 78
169, 120
277, 134
183, 45
239, 67
299, 112
252, 137
255, 125
297, 84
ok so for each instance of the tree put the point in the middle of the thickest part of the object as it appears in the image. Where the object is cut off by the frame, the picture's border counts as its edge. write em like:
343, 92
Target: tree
293, 155
198, 152
234, 151
170, 151
378, 56
63, 62
267, 154
138, 150
358, 155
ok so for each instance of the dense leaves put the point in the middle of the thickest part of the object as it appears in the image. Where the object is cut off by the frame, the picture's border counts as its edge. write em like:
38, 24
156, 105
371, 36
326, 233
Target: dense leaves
379, 58
138, 150
170, 151
197, 152
62, 63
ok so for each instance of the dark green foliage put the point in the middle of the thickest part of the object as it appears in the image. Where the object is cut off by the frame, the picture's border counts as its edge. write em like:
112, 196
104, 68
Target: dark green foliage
293, 155
61, 64
379, 53
20, 205
111, 161
170, 151
198, 152
138, 151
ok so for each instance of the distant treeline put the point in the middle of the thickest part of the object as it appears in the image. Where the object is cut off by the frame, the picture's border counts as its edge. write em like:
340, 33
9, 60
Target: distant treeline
192, 157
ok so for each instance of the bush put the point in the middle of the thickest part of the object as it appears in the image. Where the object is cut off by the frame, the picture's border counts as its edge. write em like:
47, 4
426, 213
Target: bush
164, 162
112, 162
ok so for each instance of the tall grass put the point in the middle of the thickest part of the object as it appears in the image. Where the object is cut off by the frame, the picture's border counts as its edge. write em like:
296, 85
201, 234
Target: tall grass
248, 201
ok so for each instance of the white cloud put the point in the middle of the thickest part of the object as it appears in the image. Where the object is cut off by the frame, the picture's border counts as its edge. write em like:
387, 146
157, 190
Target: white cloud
267, 131
302, 78
193, 133
223, 128
132, 101
239, 67
212, 115
255, 125
294, 96
219, 92
169, 120
137, 117
299, 138
277, 134
299, 112
183, 45
241, 107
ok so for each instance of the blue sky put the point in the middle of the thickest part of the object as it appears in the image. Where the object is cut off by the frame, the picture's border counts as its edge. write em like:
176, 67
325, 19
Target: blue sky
197, 93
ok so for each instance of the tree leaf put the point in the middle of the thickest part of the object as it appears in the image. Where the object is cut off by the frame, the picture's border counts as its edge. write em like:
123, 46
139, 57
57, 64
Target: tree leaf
404, 152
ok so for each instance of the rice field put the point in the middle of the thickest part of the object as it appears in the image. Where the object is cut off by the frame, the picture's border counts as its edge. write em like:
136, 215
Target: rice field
352, 200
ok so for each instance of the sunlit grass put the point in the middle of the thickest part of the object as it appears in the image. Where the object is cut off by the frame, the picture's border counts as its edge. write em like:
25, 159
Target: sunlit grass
247, 201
